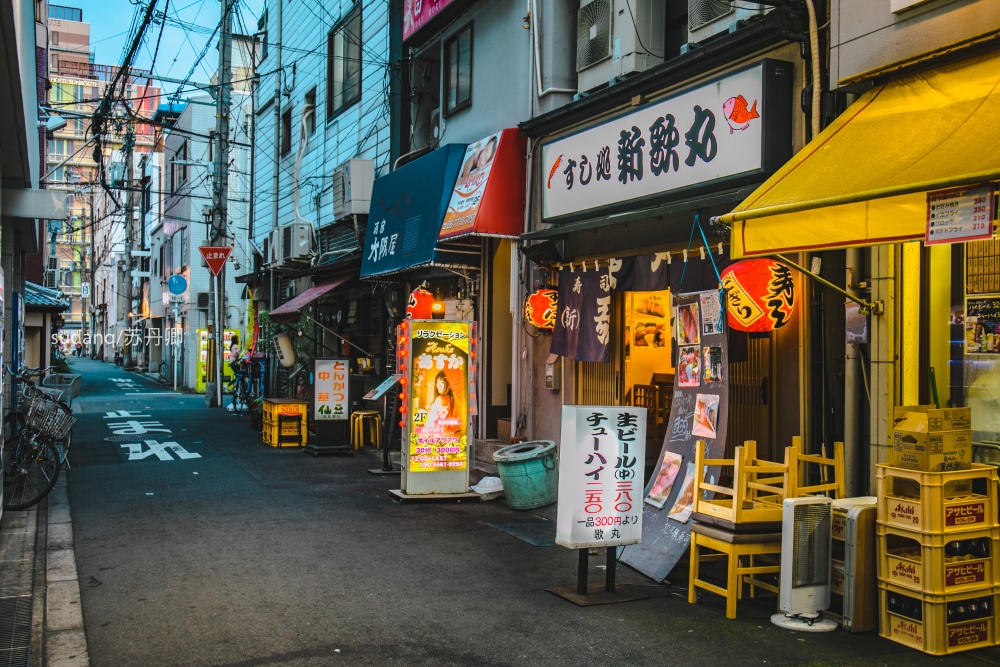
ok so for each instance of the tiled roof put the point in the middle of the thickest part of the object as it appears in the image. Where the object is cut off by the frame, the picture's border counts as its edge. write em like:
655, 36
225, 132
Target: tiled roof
44, 297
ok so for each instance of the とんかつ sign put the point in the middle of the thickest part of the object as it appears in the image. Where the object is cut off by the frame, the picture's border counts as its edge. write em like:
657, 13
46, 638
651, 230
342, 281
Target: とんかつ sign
601, 459
439, 392
331, 389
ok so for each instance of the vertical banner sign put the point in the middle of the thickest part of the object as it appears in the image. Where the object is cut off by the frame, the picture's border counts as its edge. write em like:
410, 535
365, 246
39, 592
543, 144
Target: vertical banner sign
330, 387
601, 459
439, 385
699, 411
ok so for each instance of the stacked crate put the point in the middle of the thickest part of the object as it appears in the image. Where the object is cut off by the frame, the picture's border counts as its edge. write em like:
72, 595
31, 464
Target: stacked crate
938, 566
285, 422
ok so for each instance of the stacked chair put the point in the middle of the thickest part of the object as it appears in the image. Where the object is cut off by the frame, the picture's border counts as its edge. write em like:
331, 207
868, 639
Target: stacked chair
742, 523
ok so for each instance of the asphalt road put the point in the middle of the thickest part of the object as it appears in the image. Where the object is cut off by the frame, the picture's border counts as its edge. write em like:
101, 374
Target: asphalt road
208, 548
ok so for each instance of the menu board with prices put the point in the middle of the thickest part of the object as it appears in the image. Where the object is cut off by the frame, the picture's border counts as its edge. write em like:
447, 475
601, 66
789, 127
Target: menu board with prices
960, 214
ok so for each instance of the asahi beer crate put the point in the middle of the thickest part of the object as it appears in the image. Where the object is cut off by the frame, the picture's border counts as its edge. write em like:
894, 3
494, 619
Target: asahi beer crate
938, 564
938, 502
284, 406
289, 434
938, 624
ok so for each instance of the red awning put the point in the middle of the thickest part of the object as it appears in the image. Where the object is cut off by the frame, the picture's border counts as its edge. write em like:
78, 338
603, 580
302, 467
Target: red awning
487, 199
290, 312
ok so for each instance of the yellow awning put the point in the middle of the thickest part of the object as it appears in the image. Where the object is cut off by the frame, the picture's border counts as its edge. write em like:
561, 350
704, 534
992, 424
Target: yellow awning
864, 179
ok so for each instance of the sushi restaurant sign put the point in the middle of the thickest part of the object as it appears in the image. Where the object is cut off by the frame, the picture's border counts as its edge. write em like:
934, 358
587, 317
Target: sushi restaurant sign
729, 131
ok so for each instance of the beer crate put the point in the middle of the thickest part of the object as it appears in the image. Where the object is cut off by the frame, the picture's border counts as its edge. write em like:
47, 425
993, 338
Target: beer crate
938, 624
938, 564
284, 406
938, 502
291, 433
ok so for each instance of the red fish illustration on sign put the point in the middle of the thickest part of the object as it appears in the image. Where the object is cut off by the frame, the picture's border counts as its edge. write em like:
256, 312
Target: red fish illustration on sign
737, 114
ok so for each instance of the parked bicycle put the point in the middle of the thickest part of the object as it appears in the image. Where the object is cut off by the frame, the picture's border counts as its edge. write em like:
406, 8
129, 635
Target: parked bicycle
39, 440
239, 387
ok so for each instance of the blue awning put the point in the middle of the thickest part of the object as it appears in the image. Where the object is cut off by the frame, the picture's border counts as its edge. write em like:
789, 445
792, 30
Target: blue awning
404, 220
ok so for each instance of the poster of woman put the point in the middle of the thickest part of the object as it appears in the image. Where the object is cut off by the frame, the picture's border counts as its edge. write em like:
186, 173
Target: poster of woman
689, 367
439, 398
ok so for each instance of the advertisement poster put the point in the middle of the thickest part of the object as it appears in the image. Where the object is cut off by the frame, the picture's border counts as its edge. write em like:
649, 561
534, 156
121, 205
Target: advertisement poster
711, 313
698, 412
439, 396
330, 387
982, 324
416, 14
601, 455
470, 186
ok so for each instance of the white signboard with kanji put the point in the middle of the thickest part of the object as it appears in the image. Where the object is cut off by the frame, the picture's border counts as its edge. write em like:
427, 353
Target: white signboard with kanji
332, 377
601, 460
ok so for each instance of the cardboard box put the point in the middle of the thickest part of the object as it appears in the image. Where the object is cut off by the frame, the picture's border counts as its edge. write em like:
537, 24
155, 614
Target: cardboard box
931, 439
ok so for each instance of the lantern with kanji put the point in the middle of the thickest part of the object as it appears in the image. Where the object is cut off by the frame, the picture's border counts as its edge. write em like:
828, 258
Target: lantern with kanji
540, 309
759, 294
420, 304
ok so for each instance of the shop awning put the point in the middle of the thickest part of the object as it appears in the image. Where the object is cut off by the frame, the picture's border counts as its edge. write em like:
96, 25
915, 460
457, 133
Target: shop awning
864, 179
487, 198
404, 220
289, 312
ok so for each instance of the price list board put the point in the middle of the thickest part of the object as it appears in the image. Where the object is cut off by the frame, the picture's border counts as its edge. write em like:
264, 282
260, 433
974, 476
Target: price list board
960, 214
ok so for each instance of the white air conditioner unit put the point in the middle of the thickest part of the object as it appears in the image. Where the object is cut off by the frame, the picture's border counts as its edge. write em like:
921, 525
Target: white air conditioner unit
352, 188
274, 247
806, 560
707, 18
615, 38
296, 241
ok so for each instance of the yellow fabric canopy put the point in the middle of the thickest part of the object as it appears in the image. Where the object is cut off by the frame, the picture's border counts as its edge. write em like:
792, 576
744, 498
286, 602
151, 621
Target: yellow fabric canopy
864, 179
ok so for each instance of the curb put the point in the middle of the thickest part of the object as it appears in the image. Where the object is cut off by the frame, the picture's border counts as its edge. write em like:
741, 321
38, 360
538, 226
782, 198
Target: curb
64, 638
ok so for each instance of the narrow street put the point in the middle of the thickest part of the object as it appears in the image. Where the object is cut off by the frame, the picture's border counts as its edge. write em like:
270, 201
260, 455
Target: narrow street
208, 548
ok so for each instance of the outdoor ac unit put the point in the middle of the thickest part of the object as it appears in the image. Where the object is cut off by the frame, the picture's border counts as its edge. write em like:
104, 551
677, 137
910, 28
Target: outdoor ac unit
805, 555
202, 300
296, 241
615, 38
707, 18
352, 188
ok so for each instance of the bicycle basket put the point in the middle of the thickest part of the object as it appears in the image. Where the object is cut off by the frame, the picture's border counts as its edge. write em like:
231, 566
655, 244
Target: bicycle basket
48, 419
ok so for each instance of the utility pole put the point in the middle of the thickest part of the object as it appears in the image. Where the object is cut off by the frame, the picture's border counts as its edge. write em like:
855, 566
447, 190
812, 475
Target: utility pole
129, 180
220, 208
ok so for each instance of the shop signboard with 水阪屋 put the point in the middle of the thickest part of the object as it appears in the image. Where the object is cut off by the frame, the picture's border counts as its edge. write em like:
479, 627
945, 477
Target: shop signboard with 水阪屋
331, 389
699, 411
439, 372
601, 459
733, 130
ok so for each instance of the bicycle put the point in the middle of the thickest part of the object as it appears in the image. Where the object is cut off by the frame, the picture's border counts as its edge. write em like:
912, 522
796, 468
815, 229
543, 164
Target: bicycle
31, 459
240, 388
14, 420
164, 372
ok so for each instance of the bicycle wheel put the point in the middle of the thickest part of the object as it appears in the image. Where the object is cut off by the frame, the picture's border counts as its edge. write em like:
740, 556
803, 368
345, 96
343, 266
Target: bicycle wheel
30, 474
239, 396
62, 446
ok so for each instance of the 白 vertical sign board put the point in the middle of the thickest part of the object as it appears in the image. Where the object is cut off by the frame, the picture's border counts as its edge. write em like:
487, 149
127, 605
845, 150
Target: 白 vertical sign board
699, 412
601, 458
439, 379
330, 387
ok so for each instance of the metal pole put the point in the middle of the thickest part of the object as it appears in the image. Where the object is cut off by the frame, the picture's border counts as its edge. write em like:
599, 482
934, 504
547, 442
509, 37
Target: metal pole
127, 352
581, 572
612, 566
218, 345
851, 394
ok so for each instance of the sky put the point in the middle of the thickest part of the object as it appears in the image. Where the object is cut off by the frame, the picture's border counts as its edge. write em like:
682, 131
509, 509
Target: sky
111, 22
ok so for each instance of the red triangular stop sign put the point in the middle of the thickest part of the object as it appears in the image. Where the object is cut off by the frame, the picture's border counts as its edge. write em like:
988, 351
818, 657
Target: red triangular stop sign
215, 257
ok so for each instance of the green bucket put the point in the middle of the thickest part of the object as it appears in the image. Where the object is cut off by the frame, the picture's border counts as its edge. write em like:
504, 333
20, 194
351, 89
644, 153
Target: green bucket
529, 475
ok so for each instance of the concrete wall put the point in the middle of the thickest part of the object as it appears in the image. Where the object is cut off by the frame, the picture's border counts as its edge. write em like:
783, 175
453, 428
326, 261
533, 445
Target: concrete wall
866, 35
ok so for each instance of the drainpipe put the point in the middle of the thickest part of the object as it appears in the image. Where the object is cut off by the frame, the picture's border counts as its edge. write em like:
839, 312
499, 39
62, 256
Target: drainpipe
533, 14
852, 395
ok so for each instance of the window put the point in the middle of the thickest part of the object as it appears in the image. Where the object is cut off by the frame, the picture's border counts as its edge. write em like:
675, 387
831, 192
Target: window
286, 132
458, 71
55, 38
178, 168
310, 111
179, 246
343, 63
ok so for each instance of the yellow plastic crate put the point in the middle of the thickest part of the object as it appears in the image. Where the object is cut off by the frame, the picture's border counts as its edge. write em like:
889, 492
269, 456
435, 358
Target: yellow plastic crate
921, 621
938, 502
938, 564
284, 406
289, 426
288, 437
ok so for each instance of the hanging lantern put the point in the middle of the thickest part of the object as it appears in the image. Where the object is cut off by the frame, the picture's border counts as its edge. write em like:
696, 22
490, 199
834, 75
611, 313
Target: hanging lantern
540, 309
420, 304
760, 294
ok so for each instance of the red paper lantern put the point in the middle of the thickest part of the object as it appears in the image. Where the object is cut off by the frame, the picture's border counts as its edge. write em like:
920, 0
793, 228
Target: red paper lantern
420, 304
760, 294
540, 309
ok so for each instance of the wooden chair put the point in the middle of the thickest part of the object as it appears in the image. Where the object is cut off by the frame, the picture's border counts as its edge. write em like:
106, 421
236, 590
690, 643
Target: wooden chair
647, 396
831, 471
755, 499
